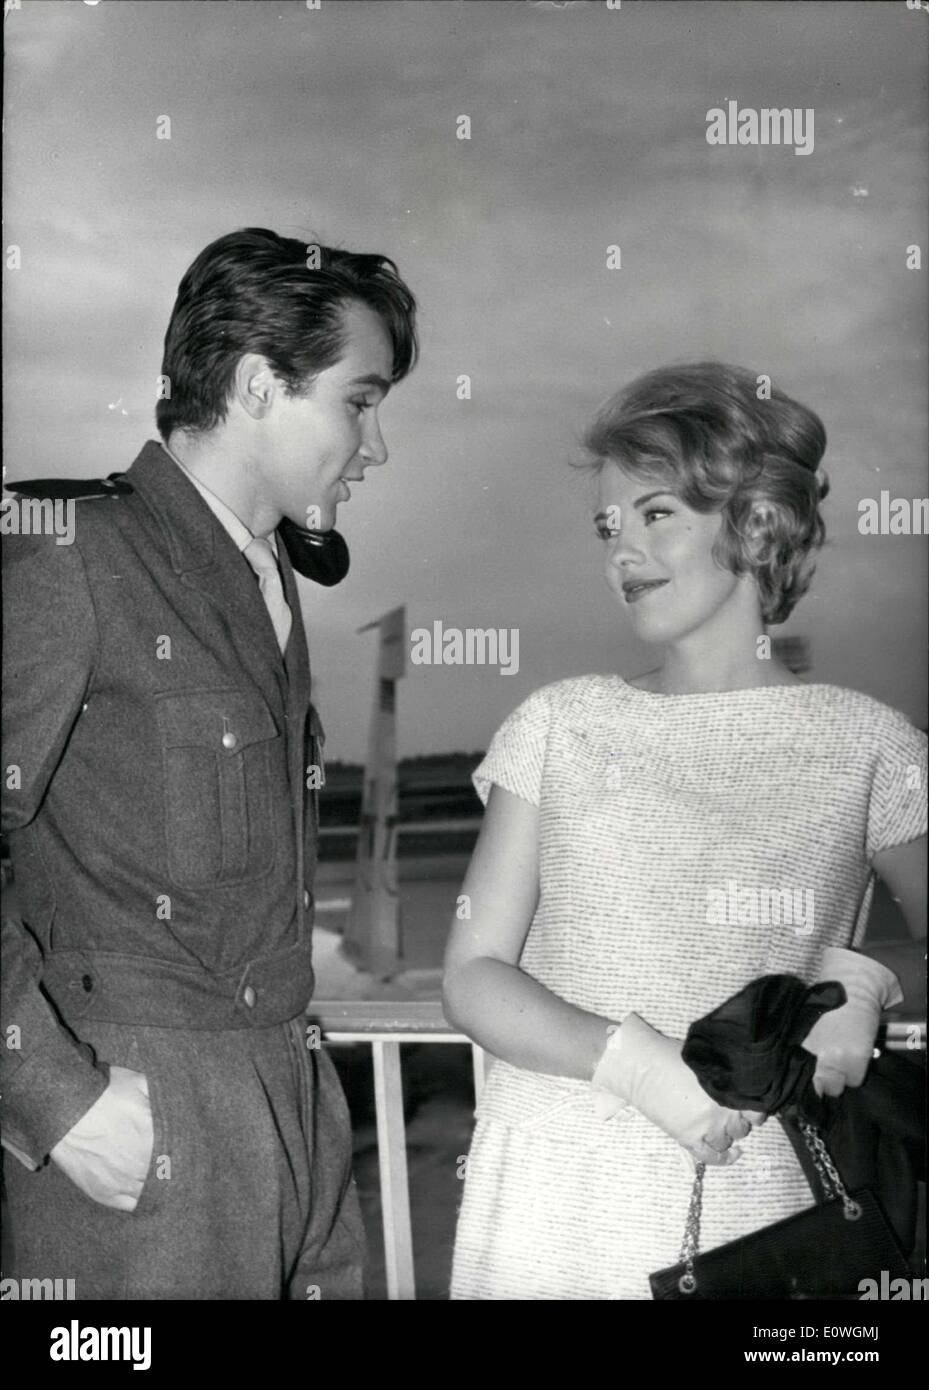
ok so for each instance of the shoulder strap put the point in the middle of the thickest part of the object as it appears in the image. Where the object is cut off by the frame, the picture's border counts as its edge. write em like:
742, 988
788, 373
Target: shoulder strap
72, 489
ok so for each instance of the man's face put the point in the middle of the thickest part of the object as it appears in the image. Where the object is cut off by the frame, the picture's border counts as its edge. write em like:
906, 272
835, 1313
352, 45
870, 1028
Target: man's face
310, 444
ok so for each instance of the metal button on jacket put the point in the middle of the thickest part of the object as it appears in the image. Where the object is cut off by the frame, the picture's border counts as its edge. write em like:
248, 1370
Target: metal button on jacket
249, 996
229, 739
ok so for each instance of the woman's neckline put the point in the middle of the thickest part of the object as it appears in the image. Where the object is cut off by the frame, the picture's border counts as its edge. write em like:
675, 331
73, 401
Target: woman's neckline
638, 691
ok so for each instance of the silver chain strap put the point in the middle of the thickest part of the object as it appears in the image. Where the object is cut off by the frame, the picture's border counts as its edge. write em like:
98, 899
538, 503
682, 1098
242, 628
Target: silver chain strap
828, 1175
691, 1245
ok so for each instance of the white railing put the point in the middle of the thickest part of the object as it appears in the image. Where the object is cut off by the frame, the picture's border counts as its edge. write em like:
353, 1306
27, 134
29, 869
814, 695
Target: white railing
385, 1026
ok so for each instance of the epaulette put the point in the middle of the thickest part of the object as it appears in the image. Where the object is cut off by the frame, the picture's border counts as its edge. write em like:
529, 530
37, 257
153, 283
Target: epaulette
74, 489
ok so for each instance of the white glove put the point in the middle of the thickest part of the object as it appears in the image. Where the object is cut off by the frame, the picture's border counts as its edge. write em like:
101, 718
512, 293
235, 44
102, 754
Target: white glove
644, 1068
108, 1152
842, 1041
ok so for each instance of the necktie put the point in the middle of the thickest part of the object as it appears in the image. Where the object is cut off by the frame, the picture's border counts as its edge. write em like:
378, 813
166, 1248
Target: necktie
260, 556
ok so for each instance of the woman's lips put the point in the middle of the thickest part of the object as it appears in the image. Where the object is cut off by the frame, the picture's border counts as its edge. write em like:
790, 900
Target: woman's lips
633, 592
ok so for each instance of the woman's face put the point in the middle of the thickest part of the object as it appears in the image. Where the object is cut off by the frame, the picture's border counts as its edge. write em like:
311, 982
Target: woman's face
660, 561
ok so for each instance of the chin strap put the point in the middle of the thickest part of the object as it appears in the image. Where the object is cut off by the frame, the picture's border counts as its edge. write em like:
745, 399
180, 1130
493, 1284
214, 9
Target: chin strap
318, 555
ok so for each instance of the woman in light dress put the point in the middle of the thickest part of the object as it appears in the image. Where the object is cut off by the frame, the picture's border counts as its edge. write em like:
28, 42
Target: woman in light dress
651, 845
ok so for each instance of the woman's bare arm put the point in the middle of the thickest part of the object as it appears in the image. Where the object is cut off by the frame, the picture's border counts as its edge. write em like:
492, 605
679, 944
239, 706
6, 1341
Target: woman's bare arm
485, 994
903, 869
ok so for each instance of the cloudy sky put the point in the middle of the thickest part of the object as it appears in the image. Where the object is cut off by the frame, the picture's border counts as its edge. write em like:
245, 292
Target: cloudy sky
587, 130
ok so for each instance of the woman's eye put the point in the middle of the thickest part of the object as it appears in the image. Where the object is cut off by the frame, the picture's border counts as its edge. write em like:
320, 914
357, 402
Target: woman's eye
609, 533
360, 405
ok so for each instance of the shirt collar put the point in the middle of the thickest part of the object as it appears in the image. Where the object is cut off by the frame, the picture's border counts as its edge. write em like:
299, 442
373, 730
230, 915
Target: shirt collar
241, 536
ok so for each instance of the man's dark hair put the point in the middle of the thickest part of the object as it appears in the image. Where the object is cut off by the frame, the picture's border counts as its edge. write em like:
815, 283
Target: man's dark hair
255, 291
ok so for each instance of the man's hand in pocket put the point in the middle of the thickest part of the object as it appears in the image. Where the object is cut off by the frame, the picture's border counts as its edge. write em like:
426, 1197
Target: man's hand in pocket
108, 1152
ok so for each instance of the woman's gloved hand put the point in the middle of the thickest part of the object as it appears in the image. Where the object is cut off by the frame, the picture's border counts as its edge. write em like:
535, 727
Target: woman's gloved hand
842, 1040
643, 1068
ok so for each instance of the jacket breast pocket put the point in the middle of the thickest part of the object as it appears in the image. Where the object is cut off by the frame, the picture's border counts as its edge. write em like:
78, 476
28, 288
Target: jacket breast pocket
217, 747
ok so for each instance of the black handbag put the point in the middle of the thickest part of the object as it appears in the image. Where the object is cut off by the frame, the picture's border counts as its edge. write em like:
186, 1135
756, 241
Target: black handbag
825, 1252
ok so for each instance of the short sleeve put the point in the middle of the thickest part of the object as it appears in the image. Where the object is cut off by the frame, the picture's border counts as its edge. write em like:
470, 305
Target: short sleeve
516, 756
897, 807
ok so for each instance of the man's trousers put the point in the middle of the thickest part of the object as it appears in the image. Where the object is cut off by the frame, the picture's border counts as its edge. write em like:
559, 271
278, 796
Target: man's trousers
249, 1193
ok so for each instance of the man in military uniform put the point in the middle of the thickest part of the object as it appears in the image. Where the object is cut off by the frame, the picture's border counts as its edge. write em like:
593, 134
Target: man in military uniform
171, 1130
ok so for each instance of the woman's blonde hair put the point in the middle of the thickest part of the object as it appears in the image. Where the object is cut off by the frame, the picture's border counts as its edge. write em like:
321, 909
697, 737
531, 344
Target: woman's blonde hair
755, 459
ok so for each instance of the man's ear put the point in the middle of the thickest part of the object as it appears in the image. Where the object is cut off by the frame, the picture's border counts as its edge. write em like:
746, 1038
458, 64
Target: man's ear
318, 555
254, 384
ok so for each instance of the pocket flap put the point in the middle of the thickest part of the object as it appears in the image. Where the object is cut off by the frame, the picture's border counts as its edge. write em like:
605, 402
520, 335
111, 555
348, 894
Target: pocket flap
225, 720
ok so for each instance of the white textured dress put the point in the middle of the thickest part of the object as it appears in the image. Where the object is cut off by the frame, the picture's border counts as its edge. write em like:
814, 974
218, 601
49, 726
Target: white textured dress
688, 844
